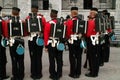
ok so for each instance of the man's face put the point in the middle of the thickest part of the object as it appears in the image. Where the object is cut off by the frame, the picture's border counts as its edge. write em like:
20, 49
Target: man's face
34, 10
74, 13
15, 13
92, 14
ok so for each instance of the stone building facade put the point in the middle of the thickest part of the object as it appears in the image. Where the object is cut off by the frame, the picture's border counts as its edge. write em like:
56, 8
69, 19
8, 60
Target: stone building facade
62, 6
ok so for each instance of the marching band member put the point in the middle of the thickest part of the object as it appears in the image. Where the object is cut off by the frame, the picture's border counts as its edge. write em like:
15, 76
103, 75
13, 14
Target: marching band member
35, 23
74, 40
53, 35
106, 45
92, 44
14, 31
3, 58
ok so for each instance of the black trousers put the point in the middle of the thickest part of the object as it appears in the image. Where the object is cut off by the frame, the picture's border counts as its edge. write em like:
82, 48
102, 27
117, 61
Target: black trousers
75, 57
17, 62
3, 60
35, 58
101, 54
93, 57
106, 48
55, 59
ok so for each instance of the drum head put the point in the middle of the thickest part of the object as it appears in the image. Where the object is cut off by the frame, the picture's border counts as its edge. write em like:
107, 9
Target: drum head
4, 42
60, 46
40, 42
113, 37
20, 50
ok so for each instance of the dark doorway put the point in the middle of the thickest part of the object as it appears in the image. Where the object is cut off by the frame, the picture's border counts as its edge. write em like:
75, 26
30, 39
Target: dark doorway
88, 4
45, 4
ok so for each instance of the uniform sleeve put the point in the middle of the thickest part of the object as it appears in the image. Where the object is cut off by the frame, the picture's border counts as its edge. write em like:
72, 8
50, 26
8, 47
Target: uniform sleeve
25, 31
43, 22
109, 30
27, 17
46, 33
5, 29
69, 25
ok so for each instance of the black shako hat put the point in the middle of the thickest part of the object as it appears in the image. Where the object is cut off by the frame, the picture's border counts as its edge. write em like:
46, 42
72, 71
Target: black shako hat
16, 9
34, 6
54, 11
1, 8
108, 14
105, 11
74, 8
68, 16
94, 9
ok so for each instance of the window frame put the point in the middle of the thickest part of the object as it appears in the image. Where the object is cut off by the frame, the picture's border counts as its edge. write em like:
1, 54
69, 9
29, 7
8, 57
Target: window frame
39, 4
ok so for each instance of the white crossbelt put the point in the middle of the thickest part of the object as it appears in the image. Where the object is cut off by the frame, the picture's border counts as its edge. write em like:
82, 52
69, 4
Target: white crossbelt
32, 36
21, 25
53, 42
74, 37
95, 39
11, 41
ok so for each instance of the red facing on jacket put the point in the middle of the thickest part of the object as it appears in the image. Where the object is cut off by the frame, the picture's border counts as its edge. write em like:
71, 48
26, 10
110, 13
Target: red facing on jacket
91, 28
25, 29
69, 25
47, 31
4, 28
109, 30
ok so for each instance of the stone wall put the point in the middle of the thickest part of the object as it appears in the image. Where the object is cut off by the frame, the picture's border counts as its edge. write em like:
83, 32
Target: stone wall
67, 12
56, 5
66, 4
25, 6
117, 14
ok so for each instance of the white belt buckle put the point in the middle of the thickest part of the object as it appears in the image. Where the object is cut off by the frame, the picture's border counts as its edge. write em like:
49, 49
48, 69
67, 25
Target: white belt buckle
93, 39
53, 42
11, 41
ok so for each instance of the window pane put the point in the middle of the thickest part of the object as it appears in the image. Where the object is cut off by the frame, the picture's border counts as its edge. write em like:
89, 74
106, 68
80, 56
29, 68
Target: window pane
45, 4
42, 4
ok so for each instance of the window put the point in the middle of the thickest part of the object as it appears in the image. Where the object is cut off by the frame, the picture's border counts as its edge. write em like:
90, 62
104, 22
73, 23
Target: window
113, 4
42, 4
107, 4
45, 4
88, 4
